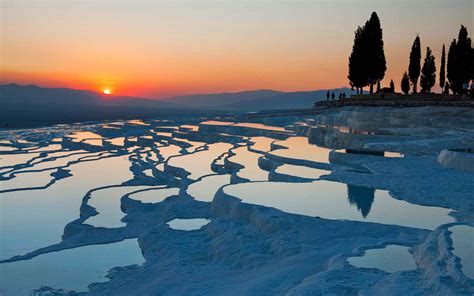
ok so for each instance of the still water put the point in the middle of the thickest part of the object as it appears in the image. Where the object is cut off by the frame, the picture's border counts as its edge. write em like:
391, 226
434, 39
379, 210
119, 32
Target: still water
333, 200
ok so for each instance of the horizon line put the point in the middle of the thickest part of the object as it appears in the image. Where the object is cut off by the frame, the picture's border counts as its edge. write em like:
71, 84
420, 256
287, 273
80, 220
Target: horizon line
172, 97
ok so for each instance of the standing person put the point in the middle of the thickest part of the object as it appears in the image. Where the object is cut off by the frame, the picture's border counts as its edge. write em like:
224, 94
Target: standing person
465, 88
333, 96
446, 88
343, 95
471, 90
327, 96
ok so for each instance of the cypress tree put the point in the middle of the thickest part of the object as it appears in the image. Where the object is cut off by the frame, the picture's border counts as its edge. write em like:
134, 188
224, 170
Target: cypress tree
463, 58
367, 63
357, 74
376, 65
459, 61
472, 63
428, 72
415, 60
451, 66
405, 84
442, 71
392, 86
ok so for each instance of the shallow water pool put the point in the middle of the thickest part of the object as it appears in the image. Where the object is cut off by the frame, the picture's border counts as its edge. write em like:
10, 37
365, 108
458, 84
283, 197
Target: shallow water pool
70, 269
333, 200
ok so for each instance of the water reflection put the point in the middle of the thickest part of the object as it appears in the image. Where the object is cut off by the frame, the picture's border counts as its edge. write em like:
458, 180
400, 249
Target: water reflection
188, 224
206, 188
249, 160
68, 269
154, 195
199, 164
83, 135
107, 203
261, 144
330, 200
361, 197
300, 148
392, 258
36, 218
300, 171
463, 247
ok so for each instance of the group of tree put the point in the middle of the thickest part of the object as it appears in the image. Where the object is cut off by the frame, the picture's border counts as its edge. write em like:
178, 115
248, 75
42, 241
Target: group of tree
460, 66
367, 64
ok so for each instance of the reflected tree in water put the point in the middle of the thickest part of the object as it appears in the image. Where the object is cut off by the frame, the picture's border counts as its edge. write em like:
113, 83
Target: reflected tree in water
361, 197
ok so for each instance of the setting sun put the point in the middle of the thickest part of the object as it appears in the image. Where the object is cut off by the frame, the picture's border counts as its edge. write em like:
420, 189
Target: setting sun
107, 91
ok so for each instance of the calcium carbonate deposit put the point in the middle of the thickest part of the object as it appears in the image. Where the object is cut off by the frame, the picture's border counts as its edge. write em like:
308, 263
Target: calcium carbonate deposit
351, 201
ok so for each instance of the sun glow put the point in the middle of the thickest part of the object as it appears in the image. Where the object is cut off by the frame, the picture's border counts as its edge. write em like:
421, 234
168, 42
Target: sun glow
107, 91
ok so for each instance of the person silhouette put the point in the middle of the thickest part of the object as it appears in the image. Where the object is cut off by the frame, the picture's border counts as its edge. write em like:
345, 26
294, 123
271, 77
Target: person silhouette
471, 89
446, 88
327, 96
343, 95
333, 96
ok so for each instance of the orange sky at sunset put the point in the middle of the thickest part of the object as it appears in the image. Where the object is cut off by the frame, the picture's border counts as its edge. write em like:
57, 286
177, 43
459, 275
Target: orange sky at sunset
165, 48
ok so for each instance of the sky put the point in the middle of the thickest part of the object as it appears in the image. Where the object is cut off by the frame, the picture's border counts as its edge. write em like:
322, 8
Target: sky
160, 49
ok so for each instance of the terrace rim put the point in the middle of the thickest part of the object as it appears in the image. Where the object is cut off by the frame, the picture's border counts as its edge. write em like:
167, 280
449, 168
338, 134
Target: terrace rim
400, 100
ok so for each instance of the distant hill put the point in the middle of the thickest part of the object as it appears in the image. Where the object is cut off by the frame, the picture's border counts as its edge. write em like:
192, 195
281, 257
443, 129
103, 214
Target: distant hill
14, 94
290, 100
30, 105
256, 100
222, 99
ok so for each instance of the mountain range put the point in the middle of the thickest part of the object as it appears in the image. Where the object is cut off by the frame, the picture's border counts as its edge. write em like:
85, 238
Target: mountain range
24, 105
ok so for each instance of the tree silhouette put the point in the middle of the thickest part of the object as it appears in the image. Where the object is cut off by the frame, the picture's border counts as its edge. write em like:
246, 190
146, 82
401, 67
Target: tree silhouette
376, 65
472, 63
442, 71
451, 66
367, 63
463, 57
415, 60
405, 84
428, 72
357, 71
392, 86
459, 61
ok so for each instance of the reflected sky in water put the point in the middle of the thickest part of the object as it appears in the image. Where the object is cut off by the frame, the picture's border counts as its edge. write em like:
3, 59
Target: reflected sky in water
36, 218
70, 269
333, 200
301, 171
107, 202
12, 159
188, 224
154, 195
392, 258
206, 188
251, 170
82, 135
261, 144
463, 244
299, 148
199, 163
